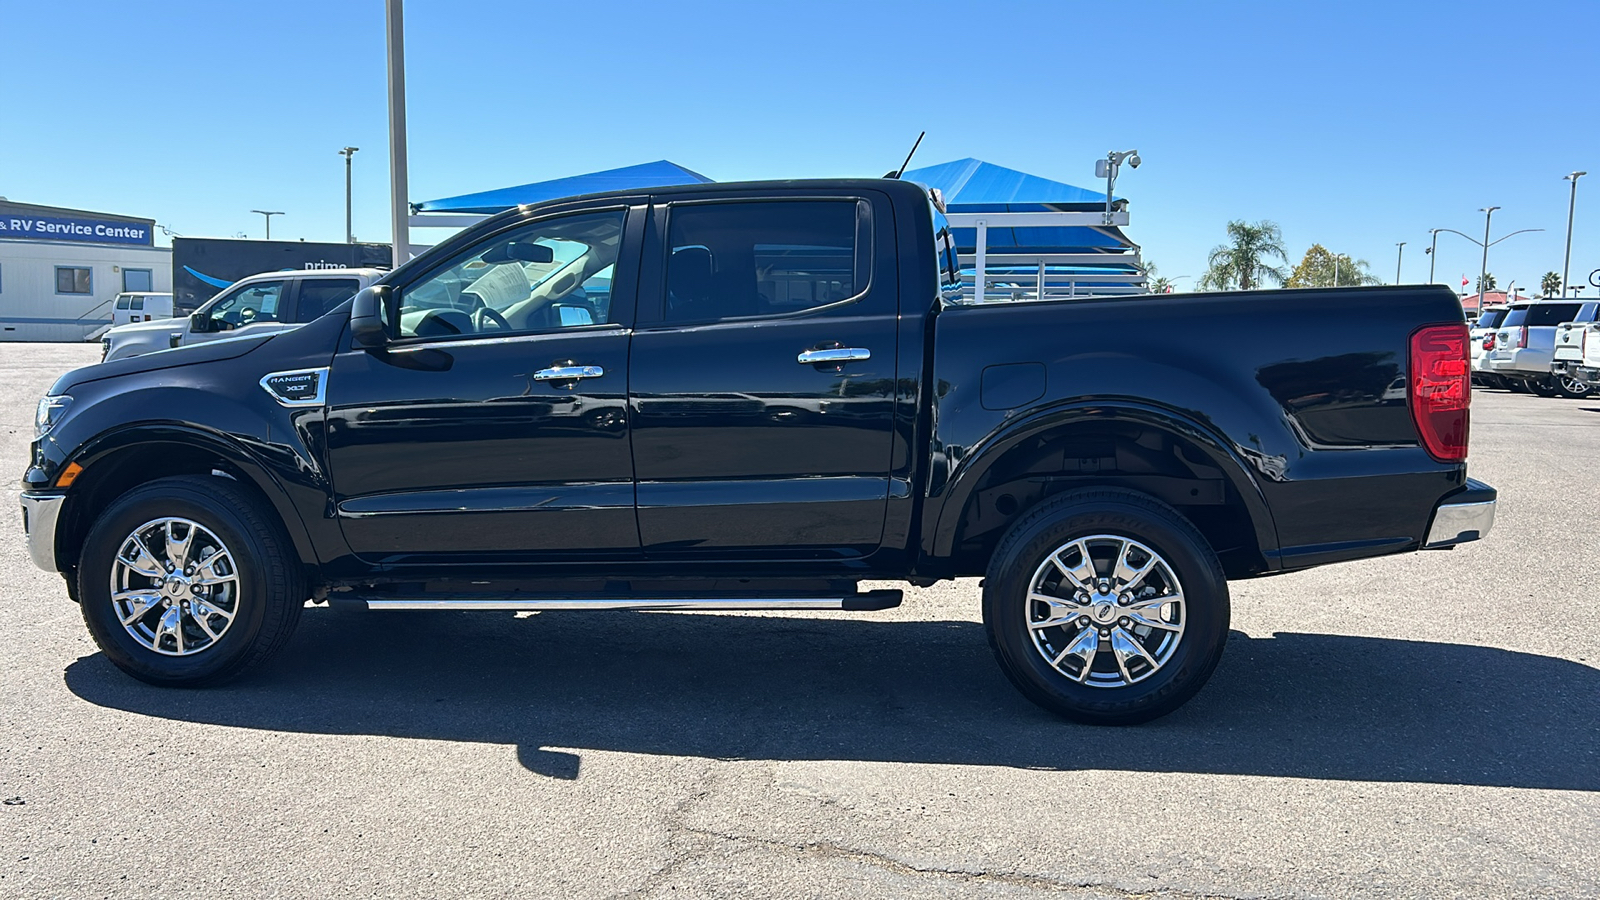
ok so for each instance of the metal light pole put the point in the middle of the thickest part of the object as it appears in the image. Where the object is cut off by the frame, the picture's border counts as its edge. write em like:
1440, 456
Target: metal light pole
1433, 253
1571, 204
1399, 255
349, 232
1483, 272
269, 214
399, 207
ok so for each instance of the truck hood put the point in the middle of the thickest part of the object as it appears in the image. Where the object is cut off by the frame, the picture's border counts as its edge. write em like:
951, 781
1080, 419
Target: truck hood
163, 325
227, 348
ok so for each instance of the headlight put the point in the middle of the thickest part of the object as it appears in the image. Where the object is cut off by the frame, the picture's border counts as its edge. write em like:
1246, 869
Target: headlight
51, 411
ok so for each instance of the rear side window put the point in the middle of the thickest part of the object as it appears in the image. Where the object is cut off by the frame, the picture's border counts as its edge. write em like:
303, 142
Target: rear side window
733, 260
1552, 313
318, 295
1515, 317
1491, 319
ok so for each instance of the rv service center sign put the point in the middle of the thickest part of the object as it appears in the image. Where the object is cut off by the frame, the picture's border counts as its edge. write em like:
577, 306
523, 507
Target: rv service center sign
88, 231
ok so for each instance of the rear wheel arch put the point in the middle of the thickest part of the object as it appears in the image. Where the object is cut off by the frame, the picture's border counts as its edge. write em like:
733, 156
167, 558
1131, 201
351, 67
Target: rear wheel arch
1241, 529
120, 461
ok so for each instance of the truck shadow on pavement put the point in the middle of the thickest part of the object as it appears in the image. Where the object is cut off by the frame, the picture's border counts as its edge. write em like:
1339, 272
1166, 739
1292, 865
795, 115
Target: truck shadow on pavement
746, 687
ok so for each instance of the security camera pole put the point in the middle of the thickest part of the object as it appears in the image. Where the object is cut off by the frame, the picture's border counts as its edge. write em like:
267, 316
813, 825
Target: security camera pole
1107, 169
349, 232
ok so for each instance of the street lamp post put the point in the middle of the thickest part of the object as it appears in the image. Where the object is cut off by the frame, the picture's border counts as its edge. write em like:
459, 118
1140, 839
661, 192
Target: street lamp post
1566, 262
1433, 253
269, 214
1399, 255
1483, 272
349, 232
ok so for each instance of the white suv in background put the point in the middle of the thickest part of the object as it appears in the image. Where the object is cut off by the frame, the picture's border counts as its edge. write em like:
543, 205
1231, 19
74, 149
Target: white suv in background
260, 304
1482, 332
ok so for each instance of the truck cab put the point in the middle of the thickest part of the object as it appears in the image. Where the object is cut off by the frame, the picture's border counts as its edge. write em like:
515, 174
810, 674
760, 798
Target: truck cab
261, 304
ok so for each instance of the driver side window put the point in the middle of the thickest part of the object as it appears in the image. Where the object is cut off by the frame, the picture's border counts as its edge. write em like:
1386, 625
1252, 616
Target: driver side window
541, 277
253, 303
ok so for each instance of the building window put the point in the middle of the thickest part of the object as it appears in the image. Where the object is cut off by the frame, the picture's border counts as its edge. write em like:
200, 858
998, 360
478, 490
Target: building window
136, 280
74, 280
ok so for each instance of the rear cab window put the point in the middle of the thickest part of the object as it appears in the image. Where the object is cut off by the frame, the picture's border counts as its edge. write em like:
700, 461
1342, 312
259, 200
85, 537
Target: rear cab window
1551, 314
318, 295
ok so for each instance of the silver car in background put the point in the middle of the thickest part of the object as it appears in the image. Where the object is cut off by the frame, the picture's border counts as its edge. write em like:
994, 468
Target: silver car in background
1524, 344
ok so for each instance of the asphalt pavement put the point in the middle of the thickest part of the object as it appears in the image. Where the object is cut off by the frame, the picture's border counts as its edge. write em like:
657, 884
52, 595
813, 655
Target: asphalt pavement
1424, 725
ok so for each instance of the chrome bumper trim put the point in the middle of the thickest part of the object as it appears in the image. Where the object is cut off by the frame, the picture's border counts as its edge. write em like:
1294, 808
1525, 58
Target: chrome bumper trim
39, 515
1458, 523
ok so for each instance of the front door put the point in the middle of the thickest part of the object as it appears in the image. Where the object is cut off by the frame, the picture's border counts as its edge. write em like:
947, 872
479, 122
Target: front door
494, 427
762, 379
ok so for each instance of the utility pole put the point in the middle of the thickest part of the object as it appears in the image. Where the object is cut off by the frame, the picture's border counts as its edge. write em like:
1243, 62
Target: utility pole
1433, 253
1566, 262
269, 214
1483, 272
1399, 255
349, 232
399, 206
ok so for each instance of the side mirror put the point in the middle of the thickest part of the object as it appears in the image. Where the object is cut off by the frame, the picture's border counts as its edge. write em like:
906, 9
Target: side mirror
367, 317
199, 323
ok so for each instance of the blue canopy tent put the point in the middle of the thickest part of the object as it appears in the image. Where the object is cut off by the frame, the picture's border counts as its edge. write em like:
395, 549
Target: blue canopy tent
1056, 259
645, 175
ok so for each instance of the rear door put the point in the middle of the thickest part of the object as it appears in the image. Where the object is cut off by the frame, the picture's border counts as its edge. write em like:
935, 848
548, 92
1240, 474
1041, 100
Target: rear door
762, 377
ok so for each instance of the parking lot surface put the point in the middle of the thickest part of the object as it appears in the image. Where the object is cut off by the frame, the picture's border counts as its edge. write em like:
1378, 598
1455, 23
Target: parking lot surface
1418, 726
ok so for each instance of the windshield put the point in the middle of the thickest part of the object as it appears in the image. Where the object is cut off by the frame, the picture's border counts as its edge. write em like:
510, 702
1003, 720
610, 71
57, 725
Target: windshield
1552, 313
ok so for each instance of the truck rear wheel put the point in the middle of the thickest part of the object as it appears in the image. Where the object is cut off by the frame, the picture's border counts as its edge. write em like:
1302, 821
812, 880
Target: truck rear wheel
188, 581
1106, 606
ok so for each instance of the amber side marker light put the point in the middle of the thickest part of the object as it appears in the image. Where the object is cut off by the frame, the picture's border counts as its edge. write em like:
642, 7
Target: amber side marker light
69, 475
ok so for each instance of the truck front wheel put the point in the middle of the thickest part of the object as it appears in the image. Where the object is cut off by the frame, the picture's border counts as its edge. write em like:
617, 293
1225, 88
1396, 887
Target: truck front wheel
188, 581
1106, 606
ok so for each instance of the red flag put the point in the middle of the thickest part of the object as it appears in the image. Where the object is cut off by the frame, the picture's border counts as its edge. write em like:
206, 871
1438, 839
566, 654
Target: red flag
1463, 281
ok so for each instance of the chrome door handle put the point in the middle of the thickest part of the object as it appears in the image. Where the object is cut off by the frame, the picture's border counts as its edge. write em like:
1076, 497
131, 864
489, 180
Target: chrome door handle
568, 373
835, 355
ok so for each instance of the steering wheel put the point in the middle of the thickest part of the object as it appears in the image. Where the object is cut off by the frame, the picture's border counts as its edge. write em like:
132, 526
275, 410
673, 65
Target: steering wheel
247, 315
488, 313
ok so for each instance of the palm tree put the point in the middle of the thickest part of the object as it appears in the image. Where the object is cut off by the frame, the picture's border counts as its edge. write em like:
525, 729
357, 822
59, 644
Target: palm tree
1243, 263
1155, 283
1550, 284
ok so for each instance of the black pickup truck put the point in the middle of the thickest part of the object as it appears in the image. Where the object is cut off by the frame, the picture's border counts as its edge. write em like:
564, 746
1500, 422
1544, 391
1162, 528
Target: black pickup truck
755, 396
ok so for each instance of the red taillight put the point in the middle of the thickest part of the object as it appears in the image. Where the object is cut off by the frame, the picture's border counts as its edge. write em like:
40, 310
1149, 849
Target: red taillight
1441, 389
1522, 338
1488, 341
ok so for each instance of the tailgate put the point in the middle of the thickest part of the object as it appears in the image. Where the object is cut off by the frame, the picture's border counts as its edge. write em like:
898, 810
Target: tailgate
1569, 341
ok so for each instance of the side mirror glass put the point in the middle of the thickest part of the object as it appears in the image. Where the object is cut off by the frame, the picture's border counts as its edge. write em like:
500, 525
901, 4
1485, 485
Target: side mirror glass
367, 317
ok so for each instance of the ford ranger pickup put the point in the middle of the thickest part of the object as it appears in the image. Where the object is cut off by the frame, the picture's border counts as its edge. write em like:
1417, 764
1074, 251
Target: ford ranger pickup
755, 396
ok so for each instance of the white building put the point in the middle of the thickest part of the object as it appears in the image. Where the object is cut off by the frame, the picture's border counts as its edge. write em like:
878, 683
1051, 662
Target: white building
61, 269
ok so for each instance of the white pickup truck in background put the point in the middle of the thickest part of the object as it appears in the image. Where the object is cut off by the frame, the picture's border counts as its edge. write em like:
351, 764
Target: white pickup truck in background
1568, 356
271, 301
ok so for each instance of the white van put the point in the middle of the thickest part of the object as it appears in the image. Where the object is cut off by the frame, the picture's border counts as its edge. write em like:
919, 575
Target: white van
140, 306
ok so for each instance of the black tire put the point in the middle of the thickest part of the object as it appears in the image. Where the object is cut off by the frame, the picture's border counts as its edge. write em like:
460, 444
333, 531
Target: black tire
1518, 386
1060, 520
271, 586
1544, 387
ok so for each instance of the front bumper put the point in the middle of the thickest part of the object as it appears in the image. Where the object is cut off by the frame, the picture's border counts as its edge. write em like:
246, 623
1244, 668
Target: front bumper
40, 513
1464, 516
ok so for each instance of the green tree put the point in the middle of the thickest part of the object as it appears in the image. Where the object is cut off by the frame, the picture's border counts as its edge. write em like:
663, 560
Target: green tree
1242, 263
1157, 284
1321, 267
1489, 280
1550, 284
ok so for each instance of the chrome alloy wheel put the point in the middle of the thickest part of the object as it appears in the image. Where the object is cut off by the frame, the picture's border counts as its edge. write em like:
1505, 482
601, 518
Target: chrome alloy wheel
1573, 386
1105, 611
174, 587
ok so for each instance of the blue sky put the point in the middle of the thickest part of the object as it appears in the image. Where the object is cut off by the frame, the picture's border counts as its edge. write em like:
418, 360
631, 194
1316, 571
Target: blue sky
1353, 124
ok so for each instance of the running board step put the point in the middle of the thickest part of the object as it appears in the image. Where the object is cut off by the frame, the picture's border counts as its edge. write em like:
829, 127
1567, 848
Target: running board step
868, 601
